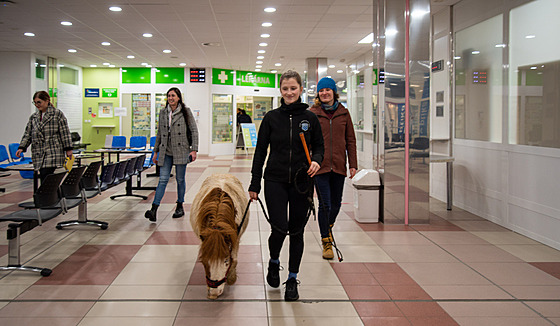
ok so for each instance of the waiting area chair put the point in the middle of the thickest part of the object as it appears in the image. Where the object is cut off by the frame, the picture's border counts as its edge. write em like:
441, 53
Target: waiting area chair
118, 142
137, 143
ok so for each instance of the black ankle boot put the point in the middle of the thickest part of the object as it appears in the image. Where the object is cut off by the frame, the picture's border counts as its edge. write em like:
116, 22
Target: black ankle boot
179, 212
151, 214
273, 275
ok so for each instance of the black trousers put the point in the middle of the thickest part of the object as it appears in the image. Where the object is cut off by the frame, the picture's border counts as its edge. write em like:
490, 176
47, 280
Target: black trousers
287, 209
43, 172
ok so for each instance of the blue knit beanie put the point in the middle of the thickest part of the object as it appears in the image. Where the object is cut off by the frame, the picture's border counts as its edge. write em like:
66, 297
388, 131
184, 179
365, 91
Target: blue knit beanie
326, 82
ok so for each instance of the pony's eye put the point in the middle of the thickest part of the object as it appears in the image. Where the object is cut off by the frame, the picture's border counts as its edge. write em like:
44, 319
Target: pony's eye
226, 261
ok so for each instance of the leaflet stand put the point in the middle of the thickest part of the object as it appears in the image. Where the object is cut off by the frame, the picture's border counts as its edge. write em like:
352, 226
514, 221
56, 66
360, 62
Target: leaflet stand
241, 140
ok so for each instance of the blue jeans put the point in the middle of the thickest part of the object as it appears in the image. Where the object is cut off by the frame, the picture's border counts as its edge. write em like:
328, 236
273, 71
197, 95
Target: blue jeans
164, 173
329, 191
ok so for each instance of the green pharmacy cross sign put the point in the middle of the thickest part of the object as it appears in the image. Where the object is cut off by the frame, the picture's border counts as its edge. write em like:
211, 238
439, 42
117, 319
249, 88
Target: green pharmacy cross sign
222, 76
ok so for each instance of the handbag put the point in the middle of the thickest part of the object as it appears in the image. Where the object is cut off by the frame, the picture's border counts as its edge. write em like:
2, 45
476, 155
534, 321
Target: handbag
69, 163
189, 132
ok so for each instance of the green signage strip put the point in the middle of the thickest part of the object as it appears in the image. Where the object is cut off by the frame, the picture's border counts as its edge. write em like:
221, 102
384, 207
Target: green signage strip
136, 75
222, 76
170, 75
255, 79
109, 92
278, 80
375, 76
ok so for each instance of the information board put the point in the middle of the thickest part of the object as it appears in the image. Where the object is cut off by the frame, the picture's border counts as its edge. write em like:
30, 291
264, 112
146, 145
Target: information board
249, 134
198, 75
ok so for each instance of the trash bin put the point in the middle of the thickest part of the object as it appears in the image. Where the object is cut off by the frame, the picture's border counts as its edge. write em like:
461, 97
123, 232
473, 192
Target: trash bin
367, 188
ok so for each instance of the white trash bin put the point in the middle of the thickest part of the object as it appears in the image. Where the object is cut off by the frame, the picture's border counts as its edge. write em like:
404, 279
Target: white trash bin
367, 187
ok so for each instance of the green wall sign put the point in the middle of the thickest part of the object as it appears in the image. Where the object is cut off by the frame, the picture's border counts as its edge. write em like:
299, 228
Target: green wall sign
136, 75
375, 76
222, 76
170, 75
109, 92
255, 79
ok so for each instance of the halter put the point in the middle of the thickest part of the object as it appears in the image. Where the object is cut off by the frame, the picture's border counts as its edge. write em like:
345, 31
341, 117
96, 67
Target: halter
216, 283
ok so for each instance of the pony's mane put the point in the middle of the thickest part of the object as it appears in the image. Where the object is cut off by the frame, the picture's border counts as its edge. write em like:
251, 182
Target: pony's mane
216, 222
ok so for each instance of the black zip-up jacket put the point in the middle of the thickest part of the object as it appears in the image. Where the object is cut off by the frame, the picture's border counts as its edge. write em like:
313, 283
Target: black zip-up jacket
280, 130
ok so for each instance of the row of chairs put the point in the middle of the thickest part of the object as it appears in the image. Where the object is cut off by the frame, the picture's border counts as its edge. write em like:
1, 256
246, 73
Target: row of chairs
8, 158
58, 193
137, 143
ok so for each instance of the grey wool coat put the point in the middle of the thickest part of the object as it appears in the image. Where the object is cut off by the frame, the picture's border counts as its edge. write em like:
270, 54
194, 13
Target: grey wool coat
49, 138
176, 136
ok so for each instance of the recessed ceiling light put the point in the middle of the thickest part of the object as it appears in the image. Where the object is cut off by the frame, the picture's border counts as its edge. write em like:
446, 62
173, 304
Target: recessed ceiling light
72, 51
148, 66
182, 64
270, 9
130, 56
266, 24
278, 64
475, 52
106, 63
274, 71
339, 71
147, 35
144, 64
111, 66
331, 66
261, 51
257, 69
260, 57
66, 23
530, 36
29, 34
105, 43
263, 44
258, 66
259, 62
265, 35
93, 66
533, 67
115, 8
166, 51
457, 58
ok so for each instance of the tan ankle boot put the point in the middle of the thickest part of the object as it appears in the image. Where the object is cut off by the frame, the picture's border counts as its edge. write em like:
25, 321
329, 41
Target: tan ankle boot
327, 248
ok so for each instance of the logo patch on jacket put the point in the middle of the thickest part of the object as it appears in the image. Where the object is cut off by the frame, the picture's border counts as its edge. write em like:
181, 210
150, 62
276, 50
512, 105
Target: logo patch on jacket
304, 125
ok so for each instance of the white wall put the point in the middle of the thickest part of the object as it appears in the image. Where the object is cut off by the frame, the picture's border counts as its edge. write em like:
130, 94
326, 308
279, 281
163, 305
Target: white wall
16, 91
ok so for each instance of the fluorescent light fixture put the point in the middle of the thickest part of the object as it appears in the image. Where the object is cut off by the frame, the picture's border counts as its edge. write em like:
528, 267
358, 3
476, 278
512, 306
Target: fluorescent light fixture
105, 43
391, 32
266, 24
72, 51
265, 35
269, 9
500, 45
367, 39
29, 34
339, 71
263, 44
259, 62
115, 8
533, 68
111, 66
106, 63
147, 35
475, 52
332, 66
457, 58
530, 36
182, 64
93, 66
261, 51
166, 51
66, 23
130, 56
278, 64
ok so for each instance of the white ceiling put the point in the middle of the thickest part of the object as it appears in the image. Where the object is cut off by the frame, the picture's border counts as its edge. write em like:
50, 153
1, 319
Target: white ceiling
300, 29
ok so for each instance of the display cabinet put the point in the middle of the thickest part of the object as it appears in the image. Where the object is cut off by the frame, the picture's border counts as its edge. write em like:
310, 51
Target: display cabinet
222, 118
141, 110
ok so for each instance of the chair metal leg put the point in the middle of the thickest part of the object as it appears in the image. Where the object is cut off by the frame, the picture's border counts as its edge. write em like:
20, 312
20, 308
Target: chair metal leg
129, 191
82, 219
14, 254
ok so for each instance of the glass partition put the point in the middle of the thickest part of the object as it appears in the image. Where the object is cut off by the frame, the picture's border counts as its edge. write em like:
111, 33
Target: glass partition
222, 118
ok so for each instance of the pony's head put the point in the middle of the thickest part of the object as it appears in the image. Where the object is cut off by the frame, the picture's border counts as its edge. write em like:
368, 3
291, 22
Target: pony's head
218, 233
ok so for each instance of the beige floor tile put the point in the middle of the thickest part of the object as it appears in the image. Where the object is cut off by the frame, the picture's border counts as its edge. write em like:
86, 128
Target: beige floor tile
121, 238
515, 274
235, 292
533, 253
398, 238
317, 274
313, 309
533, 291
353, 238
63, 292
310, 292
484, 226
547, 309
222, 309
166, 253
479, 253
453, 237
134, 309
315, 321
507, 237
144, 292
501, 321
487, 309
155, 274
54, 321
443, 274
19, 278
465, 292
221, 321
250, 238
418, 253
127, 321
46, 309
11, 291
365, 254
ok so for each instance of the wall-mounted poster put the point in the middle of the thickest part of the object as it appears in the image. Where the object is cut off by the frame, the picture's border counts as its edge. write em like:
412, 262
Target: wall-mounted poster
105, 110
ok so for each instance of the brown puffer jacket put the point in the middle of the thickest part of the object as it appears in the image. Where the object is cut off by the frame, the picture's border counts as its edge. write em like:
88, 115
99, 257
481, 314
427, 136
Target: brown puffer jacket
340, 140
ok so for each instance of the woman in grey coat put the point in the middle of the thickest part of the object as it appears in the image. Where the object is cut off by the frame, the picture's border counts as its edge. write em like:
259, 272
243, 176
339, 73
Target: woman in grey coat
48, 134
174, 148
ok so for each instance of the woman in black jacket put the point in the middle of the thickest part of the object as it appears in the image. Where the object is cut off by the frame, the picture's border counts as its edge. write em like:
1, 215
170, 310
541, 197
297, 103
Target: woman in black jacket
280, 129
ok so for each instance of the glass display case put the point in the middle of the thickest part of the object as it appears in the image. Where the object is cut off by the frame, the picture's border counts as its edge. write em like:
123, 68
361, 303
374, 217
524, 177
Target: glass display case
222, 118
141, 115
161, 98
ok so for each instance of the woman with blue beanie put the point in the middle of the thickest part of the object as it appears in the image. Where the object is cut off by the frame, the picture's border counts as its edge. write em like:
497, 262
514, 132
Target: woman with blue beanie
340, 146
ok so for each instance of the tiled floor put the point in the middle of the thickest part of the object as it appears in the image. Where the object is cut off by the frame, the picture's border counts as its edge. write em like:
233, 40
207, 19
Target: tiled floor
458, 270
